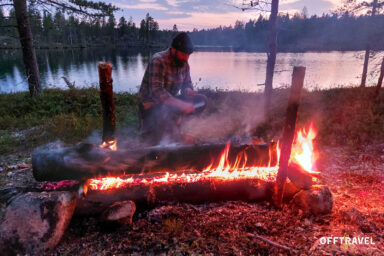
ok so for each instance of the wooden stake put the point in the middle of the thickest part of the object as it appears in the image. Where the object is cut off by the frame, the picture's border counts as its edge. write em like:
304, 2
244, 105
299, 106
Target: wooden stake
107, 102
380, 81
289, 132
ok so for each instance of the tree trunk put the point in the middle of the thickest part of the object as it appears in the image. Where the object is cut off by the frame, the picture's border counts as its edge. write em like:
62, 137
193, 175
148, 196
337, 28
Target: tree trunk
380, 81
272, 50
365, 67
29, 55
289, 131
367, 51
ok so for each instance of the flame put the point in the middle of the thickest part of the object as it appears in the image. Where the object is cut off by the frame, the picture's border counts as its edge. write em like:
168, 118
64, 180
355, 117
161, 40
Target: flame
302, 153
112, 145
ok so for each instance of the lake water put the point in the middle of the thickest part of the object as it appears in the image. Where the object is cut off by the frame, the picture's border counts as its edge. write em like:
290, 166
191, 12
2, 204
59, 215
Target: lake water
223, 70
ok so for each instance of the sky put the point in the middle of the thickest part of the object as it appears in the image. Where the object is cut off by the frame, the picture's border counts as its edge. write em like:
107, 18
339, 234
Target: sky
190, 14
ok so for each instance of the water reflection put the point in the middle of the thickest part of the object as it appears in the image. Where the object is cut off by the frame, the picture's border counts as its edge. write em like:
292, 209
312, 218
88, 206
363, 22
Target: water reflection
224, 70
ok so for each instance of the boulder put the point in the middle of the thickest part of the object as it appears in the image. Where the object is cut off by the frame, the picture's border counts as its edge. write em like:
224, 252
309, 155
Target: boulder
316, 200
34, 222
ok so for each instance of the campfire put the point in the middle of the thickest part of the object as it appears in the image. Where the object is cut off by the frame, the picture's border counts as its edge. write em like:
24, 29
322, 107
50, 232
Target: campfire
191, 173
302, 154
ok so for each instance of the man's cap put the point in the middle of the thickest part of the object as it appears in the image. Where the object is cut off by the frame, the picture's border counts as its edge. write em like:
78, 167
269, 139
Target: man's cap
182, 42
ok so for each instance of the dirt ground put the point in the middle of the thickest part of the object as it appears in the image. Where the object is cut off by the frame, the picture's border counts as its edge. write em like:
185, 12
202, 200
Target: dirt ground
355, 177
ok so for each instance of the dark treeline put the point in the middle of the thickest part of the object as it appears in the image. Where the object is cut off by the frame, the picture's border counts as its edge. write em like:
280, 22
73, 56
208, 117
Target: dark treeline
299, 33
296, 33
58, 30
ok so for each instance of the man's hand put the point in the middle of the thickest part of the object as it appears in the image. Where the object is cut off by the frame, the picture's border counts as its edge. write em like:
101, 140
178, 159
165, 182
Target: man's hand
190, 92
188, 108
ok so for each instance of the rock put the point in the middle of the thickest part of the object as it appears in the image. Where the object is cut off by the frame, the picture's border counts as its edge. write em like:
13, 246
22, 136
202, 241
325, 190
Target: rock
317, 200
34, 222
119, 212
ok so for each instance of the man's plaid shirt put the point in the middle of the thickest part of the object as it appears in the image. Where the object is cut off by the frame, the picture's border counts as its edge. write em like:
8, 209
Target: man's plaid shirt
163, 78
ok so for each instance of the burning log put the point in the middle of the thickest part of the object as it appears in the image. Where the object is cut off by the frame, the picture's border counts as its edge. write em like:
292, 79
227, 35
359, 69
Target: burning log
107, 102
86, 161
299, 177
289, 132
187, 188
202, 191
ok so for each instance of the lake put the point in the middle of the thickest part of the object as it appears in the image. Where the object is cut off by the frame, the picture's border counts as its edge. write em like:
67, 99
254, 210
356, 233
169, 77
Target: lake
222, 70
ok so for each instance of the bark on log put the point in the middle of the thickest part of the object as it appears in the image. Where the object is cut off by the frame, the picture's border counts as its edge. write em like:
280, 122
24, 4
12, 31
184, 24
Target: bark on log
107, 102
86, 161
203, 191
249, 190
289, 131
298, 176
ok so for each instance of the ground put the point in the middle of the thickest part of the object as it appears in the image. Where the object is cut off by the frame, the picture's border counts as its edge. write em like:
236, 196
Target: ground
351, 162
355, 177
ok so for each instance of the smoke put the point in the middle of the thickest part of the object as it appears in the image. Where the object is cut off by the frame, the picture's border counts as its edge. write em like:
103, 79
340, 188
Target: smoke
234, 116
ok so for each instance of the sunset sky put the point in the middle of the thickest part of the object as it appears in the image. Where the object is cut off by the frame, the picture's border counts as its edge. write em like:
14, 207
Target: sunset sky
189, 14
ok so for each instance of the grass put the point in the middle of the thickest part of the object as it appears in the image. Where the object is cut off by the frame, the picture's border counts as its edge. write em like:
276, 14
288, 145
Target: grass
345, 117
68, 115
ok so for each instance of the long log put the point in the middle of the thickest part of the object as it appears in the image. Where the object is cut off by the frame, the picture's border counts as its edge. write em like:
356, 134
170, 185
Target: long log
195, 192
289, 132
107, 102
249, 190
86, 161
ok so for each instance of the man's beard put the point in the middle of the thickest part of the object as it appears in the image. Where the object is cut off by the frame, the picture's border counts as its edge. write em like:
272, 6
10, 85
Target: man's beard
178, 62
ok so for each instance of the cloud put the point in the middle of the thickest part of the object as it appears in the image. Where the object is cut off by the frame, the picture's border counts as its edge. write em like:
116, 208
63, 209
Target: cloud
147, 5
206, 20
176, 3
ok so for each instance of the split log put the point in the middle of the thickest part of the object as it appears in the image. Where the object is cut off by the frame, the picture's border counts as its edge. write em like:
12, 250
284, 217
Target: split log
119, 213
205, 191
317, 200
107, 102
289, 132
86, 161
195, 192
300, 177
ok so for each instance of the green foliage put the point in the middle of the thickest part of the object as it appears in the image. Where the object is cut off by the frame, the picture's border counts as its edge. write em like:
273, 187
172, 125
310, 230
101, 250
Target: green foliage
344, 117
7, 143
68, 115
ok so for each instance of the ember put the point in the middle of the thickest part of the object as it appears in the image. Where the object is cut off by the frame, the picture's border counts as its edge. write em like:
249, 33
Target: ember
302, 153
112, 145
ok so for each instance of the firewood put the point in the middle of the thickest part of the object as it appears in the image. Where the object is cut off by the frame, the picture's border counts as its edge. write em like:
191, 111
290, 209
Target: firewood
289, 132
211, 190
86, 161
107, 102
300, 177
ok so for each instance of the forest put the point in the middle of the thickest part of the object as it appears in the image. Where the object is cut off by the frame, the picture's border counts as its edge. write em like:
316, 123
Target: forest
297, 32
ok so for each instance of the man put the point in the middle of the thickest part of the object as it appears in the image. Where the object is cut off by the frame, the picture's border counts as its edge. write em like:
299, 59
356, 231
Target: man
161, 108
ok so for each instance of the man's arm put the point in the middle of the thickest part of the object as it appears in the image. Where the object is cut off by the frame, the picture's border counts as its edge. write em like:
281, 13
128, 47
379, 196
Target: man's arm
187, 86
161, 95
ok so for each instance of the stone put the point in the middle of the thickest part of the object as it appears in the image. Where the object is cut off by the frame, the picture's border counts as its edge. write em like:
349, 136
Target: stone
119, 212
34, 222
317, 200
